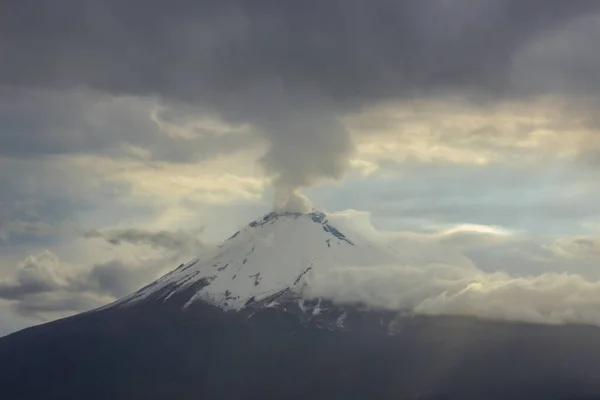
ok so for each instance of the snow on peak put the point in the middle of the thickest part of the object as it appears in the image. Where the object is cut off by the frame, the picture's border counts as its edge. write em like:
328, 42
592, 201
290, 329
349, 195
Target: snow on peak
316, 216
277, 253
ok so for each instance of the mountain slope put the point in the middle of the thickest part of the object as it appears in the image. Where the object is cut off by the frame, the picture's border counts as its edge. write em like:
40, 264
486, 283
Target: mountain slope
274, 255
200, 333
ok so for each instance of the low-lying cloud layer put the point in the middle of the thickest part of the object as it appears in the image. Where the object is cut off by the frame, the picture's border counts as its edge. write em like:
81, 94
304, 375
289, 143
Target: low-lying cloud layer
439, 289
438, 274
471, 270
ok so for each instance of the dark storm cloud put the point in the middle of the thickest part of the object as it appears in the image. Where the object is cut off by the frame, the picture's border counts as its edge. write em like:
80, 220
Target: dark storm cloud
216, 51
561, 61
289, 68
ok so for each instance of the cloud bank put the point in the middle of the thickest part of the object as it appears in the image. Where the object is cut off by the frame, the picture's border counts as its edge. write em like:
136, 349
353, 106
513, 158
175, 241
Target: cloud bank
439, 289
441, 273
292, 70
470, 270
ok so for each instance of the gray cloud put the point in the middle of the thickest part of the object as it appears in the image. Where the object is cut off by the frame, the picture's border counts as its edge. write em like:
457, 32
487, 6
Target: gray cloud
444, 289
117, 279
560, 61
457, 271
86, 77
182, 241
288, 68
38, 274
312, 145
345, 50
474, 273
41, 199
55, 304
9, 228
54, 122
575, 247
43, 284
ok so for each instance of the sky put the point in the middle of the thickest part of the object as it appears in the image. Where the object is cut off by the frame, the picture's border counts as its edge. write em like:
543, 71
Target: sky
135, 134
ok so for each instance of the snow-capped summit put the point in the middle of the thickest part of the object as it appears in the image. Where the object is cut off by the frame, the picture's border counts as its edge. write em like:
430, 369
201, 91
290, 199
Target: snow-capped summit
237, 324
273, 256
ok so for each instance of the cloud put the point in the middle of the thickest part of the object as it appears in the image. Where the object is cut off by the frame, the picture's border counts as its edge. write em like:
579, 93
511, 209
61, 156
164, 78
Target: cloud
37, 274
559, 61
467, 269
441, 289
306, 146
10, 321
447, 130
83, 121
20, 227
347, 51
470, 270
289, 200
55, 305
582, 246
17, 228
117, 279
552, 197
464, 113
289, 71
44, 286
167, 240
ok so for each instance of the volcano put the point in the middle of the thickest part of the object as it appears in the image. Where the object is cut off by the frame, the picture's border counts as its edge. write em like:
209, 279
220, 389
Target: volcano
269, 261
241, 322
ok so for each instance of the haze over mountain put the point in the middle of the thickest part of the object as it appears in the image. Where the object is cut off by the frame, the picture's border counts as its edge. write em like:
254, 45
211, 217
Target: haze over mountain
243, 322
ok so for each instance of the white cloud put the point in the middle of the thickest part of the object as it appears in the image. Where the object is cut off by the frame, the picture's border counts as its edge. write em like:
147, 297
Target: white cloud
440, 289
575, 247
456, 130
437, 275
44, 287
